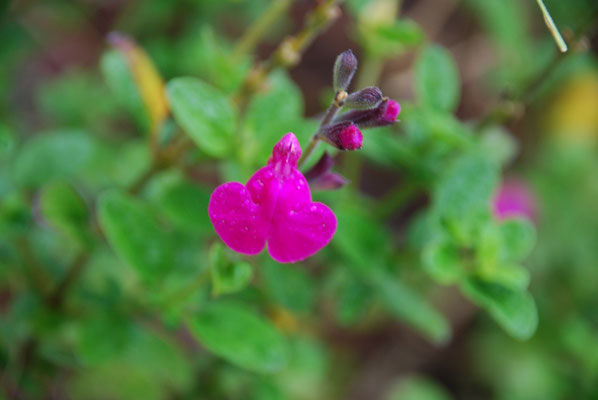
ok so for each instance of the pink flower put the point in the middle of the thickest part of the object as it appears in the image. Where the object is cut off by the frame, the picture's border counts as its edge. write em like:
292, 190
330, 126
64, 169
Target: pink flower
275, 207
514, 199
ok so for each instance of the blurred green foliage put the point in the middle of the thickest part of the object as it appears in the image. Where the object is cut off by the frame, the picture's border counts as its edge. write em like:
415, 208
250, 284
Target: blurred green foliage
113, 284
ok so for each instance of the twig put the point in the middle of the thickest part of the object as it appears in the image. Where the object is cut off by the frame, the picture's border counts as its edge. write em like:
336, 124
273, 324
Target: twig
291, 49
558, 38
252, 36
335, 106
57, 298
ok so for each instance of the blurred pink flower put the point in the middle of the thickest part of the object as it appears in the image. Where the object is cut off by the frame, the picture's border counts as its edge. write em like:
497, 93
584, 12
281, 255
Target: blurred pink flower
514, 199
275, 207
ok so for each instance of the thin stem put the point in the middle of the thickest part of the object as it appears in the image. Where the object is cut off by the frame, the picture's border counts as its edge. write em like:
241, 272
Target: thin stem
397, 197
57, 298
188, 290
337, 104
308, 150
558, 38
256, 31
140, 183
291, 49
37, 274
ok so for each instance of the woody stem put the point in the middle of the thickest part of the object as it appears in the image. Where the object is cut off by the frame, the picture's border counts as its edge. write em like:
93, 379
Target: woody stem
255, 32
290, 50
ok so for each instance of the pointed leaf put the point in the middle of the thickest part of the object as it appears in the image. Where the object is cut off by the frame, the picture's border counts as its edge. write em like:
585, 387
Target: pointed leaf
240, 336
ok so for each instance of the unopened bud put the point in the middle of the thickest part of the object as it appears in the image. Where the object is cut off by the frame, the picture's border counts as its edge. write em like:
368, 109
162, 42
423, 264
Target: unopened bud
343, 135
320, 177
385, 114
369, 97
390, 112
344, 69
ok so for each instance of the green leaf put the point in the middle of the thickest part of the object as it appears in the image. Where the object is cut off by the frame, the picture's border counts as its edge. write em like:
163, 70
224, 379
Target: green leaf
186, 206
437, 83
64, 209
240, 336
387, 40
496, 142
227, 276
52, 155
120, 80
210, 57
352, 299
288, 285
365, 245
135, 235
518, 239
7, 141
462, 196
443, 262
510, 275
411, 307
514, 310
427, 125
204, 113
148, 366
263, 128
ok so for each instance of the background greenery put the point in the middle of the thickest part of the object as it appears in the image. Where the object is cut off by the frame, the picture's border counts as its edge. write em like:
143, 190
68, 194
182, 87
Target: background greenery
113, 284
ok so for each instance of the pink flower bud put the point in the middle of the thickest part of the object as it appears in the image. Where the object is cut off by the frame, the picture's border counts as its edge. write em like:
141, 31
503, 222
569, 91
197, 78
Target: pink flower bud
342, 135
391, 111
319, 176
385, 114
514, 199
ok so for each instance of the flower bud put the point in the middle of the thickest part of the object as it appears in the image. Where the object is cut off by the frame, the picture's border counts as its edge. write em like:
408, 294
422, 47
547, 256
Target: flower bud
344, 69
324, 164
320, 177
514, 199
385, 114
369, 97
343, 135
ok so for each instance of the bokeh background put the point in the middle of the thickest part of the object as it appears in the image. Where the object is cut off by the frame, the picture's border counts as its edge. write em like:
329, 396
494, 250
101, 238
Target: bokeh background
113, 284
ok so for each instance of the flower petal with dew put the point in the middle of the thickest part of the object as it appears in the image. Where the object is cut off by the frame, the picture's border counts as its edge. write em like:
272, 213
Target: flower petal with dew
274, 207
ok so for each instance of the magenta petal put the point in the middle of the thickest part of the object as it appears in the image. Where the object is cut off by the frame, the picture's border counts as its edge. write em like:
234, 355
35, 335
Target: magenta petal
302, 234
236, 218
300, 227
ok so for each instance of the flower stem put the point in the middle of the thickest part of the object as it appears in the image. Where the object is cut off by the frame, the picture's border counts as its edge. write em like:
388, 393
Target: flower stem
337, 104
558, 38
290, 50
256, 31
396, 198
